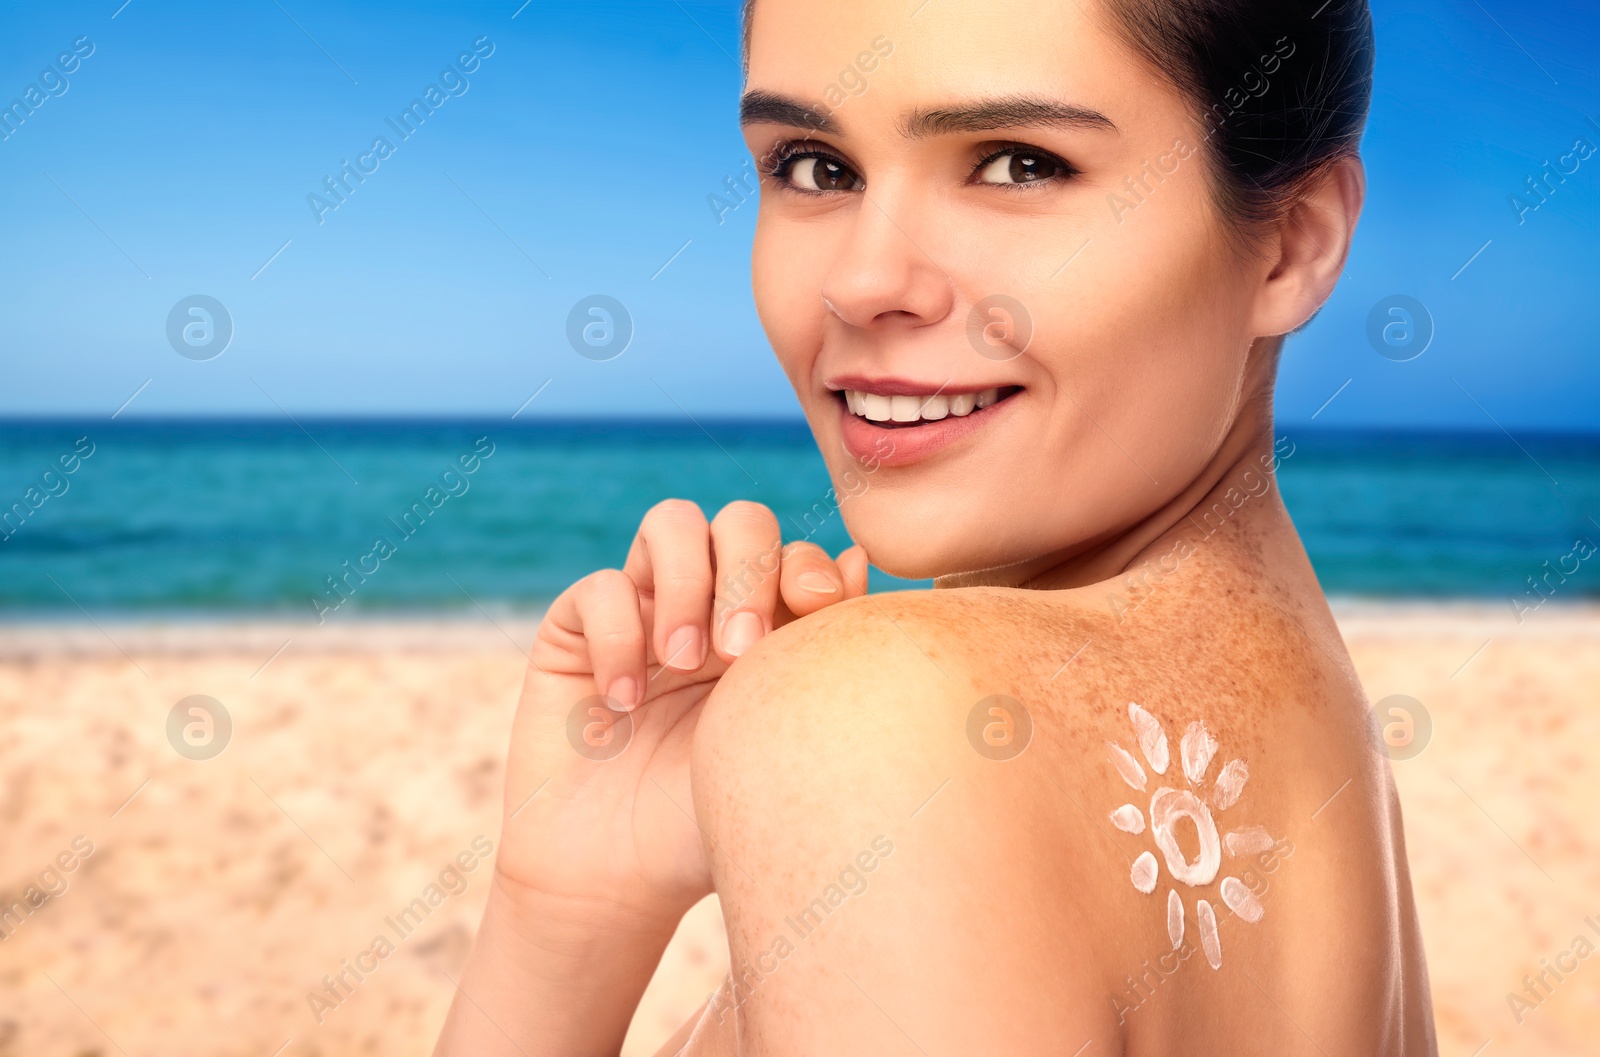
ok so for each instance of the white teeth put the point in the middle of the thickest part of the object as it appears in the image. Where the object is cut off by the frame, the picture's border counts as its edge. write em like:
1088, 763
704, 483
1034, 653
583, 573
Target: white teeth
876, 408
905, 408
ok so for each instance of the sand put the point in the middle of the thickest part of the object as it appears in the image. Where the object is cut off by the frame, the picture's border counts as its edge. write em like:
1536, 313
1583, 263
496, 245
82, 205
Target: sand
364, 759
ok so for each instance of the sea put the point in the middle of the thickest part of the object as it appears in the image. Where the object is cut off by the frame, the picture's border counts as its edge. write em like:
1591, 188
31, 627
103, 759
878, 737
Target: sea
175, 518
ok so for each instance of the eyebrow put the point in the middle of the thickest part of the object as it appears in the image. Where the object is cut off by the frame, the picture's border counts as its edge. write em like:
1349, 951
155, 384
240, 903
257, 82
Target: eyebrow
758, 107
1014, 111
981, 115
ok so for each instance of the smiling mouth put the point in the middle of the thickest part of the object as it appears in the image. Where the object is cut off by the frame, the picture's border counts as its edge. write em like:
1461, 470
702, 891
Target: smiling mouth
896, 412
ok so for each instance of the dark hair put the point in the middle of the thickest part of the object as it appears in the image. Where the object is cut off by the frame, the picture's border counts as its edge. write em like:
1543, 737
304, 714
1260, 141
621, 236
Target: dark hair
1283, 87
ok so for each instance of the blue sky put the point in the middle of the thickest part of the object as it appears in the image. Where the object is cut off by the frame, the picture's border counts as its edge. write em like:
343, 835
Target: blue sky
578, 160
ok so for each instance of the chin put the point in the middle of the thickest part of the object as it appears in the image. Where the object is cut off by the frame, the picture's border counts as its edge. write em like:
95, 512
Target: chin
909, 562
904, 489
915, 547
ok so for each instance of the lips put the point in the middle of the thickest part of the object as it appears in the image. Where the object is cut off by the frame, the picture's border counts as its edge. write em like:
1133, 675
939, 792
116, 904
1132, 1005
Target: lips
895, 422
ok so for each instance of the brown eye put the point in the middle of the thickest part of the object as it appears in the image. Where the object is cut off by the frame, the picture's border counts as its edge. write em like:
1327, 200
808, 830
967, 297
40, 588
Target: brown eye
1019, 167
821, 174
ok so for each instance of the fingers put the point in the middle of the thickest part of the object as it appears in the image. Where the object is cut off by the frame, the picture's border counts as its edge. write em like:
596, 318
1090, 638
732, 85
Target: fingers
746, 546
853, 566
810, 580
670, 560
601, 611
720, 586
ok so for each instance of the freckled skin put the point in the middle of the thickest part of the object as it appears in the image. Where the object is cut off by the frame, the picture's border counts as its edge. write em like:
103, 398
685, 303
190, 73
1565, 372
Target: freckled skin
1124, 516
1006, 916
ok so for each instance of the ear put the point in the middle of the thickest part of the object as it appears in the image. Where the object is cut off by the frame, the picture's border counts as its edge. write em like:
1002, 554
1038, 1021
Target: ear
1308, 250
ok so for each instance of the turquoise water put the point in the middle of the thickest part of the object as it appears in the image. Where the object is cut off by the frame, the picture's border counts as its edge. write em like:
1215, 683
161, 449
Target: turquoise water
256, 515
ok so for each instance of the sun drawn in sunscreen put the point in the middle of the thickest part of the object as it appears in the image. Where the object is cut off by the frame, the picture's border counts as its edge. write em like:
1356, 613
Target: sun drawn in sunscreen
1169, 806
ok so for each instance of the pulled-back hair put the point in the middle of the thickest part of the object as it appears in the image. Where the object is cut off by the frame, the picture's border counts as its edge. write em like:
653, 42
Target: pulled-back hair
1283, 87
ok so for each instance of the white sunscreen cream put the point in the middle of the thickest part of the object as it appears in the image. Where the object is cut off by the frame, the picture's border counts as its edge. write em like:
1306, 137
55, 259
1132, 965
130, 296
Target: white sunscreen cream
1230, 783
1168, 807
1252, 840
1144, 873
1128, 818
1197, 749
1241, 900
1127, 766
1152, 739
1208, 933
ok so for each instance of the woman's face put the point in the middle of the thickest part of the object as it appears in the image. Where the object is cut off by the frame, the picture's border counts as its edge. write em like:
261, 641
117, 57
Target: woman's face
991, 200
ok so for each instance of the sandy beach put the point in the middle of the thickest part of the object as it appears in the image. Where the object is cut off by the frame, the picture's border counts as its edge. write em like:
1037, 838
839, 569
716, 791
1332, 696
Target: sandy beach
207, 898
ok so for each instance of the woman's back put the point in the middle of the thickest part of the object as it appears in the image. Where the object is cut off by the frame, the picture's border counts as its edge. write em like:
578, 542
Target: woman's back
976, 820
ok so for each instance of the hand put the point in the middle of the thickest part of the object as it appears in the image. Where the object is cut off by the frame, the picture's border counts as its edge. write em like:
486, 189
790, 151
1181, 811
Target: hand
598, 809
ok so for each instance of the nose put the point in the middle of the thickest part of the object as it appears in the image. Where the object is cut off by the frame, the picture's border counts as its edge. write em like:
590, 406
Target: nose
883, 276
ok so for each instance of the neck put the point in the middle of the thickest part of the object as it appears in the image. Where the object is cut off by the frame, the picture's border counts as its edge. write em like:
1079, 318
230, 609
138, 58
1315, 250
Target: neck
1242, 466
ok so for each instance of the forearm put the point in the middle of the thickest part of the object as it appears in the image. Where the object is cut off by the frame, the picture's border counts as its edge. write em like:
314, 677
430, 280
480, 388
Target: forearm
548, 978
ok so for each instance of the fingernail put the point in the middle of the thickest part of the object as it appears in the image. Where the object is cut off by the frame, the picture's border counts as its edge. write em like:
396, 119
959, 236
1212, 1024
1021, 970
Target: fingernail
741, 632
817, 583
685, 651
624, 690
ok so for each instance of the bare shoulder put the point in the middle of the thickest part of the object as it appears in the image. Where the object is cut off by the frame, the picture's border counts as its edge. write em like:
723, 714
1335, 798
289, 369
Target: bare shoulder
1017, 821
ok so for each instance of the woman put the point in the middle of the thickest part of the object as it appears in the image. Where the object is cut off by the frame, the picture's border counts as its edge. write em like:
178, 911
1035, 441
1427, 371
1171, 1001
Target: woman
1109, 787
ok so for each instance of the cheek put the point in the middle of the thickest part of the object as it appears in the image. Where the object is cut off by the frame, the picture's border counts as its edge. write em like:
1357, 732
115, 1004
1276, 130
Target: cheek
1167, 333
785, 278
1153, 337
1138, 358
